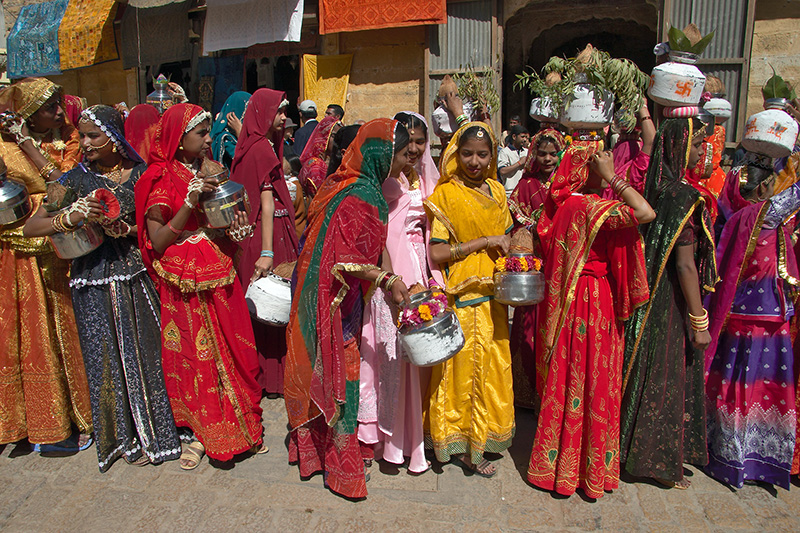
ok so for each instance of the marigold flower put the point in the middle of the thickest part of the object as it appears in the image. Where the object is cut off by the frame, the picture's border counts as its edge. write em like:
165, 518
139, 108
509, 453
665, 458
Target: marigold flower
425, 312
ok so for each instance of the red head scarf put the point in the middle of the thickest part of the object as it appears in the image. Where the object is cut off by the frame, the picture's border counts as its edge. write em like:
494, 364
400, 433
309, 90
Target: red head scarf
140, 128
163, 165
73, 107
531, 191
315, 169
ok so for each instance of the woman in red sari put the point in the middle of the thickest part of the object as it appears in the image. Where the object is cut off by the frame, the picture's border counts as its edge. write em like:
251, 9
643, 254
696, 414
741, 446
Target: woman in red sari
258, 166
140, 127
595, 271
208, 350
342, 246
528, 197
315, 155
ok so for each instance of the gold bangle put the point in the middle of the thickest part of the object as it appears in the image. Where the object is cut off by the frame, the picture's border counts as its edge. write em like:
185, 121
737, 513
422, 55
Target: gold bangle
46, 170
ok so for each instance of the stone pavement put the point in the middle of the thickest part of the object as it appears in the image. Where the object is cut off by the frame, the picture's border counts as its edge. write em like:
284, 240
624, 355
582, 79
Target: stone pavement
264, 493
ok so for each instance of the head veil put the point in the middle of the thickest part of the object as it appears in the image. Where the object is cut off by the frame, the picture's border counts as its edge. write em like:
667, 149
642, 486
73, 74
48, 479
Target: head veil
110, 122
530, 193
675, 203
176, 121
140, 128
315, 169
315, 377
448, 165
223, 141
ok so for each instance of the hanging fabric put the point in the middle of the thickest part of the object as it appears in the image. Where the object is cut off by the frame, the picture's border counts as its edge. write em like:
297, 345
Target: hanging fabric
86, 33
154, 36
325, 78
232, 24
33, 41
346, 15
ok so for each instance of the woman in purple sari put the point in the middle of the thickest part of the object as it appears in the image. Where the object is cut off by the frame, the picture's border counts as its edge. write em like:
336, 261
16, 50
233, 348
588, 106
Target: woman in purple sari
750, 385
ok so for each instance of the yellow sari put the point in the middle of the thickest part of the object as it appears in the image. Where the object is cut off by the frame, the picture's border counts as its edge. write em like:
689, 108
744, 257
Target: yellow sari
43, 386
471, 402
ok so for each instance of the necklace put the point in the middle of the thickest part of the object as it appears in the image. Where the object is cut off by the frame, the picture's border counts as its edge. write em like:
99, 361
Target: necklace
112, 173
191, 167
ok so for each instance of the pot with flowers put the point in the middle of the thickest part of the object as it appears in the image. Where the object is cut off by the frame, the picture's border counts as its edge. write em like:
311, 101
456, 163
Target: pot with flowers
772, 132
678, 82
430, 332
518, 280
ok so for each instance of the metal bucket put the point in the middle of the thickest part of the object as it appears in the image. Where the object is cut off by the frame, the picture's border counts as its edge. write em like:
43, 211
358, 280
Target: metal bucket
269, 299
84, 240
433, 342
15, 204
519, 288
219, 208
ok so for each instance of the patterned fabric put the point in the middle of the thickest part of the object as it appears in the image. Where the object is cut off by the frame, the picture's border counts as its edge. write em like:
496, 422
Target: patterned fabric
119, 324
242, 23
750, 386
140, 128
630, 163
208, 350
111, 123
707, 177
530, 192
313, 158
223, 140
326, 78
340, 15
33, 41
663, 415
346, 233
596, 278
86, 33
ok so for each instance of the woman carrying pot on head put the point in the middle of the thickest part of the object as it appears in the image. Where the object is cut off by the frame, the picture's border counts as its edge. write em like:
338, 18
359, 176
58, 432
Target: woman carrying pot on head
471, 409
316, 154
344, 240
227, 128
390, 407
115, 301
43, 388
750, 384
258, 166
663, 403
594, 264
208, 351
525, 203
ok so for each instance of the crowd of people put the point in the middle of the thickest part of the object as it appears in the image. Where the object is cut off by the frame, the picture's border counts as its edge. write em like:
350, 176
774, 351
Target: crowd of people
665, 336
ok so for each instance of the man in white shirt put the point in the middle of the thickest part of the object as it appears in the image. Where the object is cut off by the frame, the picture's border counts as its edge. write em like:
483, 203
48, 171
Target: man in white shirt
511, 160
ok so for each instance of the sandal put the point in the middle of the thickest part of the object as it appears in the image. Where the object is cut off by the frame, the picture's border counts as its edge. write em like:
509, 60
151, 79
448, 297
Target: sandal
141, 461
193, 454
683, 484
263, 449
481, 469
366, 473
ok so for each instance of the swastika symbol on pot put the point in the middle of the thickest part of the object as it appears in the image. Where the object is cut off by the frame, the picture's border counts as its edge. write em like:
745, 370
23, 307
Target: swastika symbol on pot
684, 88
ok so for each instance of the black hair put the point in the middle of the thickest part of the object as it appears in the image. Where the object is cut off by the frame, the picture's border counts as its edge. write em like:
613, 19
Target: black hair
337, 110
412, 122
517, 129
515, 117
472, 133
756, 175
544, 139
311, 113
401, 137
340, 141
294, 162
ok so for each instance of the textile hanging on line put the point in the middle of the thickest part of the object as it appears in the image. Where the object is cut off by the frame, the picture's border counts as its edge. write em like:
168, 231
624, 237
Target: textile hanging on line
232, 24
154, 3
33, 41
325, 78
346, 15
155, 36
86, 35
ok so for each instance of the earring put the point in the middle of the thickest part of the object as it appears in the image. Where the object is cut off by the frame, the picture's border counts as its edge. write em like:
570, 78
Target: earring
114, 148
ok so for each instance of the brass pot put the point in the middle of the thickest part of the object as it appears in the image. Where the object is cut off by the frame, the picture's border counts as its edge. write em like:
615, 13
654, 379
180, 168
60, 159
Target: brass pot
218, 209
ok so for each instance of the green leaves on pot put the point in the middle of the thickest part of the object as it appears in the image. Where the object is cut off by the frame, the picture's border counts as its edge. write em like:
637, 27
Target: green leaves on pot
478, 87
777, 88
679, 42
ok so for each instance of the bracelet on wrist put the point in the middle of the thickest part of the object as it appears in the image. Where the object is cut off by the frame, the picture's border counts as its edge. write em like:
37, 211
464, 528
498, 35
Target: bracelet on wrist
23, 139
699, 323
267, 253
173, 229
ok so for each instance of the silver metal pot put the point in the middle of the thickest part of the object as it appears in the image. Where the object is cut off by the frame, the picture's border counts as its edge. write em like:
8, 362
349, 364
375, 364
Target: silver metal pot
519, 288
433, 342
219, 208
85, 239
15, 204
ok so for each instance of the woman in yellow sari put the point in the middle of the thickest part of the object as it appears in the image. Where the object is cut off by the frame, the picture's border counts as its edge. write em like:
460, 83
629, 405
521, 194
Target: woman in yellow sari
43, 387
471, 404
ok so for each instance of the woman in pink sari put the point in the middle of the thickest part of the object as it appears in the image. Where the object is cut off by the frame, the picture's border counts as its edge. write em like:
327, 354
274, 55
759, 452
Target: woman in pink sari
390, 405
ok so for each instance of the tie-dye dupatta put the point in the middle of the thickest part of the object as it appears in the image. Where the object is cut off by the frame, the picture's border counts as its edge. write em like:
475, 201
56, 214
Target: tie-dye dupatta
346, 232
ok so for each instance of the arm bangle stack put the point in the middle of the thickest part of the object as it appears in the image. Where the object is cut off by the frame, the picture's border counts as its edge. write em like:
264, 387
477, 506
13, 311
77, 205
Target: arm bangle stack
390, 281
619, 185
62, 224
46, 170
267, 253
699, 323
462, 118
456, 252
172, 228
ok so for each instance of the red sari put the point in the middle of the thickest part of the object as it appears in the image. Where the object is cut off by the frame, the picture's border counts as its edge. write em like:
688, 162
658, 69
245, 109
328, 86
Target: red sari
594, 265
315, 167
528, 197
257, 165
208, 351
140, 127
346, 233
